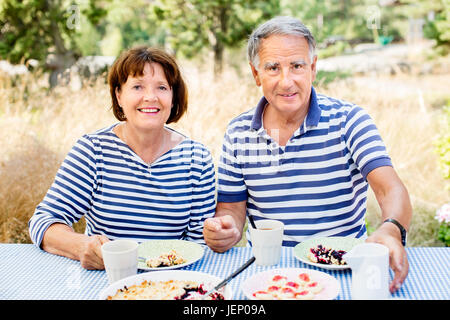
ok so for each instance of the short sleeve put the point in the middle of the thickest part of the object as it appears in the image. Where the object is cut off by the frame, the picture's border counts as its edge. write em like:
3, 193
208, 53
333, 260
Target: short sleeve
364, 142
231, 185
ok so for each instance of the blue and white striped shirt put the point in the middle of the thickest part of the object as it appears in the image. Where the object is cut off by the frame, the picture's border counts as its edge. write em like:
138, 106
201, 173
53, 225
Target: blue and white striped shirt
316, 184
121, 196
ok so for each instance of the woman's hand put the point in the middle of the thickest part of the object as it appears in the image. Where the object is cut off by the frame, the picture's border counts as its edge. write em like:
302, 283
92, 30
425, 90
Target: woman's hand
90, 254
62, 240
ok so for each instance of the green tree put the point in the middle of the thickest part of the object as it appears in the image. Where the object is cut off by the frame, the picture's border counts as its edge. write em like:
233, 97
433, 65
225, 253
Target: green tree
29, 28
137, 24
354, 20
45, 30
439, 28
194, 25
330, 17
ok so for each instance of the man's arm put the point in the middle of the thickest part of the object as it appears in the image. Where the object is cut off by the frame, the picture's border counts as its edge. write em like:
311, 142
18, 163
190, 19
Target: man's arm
394, 202
225, 230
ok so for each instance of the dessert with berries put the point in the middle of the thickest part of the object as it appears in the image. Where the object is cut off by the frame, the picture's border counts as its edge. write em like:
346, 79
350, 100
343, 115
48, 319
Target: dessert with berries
323, 255
167, 290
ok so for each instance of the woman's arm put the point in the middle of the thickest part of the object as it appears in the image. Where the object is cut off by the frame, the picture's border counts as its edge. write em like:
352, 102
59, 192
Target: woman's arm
203, 198
66, 201
62, 240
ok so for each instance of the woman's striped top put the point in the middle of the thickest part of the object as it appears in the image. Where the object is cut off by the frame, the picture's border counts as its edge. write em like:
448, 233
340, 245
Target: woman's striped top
316, 184
121, 196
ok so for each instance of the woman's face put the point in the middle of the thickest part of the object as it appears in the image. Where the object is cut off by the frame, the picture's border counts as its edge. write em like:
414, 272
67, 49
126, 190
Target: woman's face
146, 100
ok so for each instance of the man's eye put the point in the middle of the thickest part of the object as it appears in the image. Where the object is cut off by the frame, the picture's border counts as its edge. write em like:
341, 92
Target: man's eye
272, 68
137, 87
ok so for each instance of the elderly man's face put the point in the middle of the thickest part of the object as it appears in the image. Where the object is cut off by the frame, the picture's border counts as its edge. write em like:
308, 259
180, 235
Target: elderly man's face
285, 73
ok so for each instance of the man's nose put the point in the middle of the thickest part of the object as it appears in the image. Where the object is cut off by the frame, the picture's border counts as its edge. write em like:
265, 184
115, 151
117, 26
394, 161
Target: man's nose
286, 77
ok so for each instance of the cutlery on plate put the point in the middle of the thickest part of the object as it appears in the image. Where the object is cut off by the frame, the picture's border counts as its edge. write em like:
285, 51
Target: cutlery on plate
230, 277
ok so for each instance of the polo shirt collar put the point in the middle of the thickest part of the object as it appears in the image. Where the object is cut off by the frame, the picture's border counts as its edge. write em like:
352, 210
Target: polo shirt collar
257, 116
312, 118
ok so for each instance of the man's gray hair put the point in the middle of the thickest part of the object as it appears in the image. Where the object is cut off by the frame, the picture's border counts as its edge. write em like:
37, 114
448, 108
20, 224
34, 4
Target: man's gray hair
278, 26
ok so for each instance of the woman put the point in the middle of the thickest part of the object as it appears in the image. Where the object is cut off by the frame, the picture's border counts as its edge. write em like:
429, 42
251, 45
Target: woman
136, 179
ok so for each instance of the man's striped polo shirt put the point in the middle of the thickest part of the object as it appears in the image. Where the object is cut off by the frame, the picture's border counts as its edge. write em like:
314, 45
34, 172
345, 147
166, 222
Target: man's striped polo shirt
316, 184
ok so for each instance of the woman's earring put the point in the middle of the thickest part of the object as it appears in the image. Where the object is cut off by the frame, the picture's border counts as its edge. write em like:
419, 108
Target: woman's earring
122, 113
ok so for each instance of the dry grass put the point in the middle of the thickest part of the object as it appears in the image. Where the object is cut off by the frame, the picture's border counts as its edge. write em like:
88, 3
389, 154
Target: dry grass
37, 128
405, 110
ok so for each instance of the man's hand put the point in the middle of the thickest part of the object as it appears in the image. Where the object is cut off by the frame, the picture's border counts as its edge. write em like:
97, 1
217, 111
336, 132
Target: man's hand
221, 233
226, 228
394, 202
388, 235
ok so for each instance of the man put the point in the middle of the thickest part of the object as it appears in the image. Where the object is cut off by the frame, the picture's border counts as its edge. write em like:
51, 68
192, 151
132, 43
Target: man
303, 158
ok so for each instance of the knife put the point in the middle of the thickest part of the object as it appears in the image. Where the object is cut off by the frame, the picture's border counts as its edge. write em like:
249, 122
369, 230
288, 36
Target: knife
230, 277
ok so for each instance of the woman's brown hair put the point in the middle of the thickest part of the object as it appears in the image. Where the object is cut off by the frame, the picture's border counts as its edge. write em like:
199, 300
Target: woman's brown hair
132, 63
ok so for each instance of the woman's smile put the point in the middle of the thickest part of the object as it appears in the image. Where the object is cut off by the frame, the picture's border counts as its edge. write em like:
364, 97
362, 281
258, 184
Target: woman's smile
149, 110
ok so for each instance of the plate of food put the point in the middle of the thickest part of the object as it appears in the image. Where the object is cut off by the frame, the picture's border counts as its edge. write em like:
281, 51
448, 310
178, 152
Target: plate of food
166, 285
168, 254
326, 253
291, 284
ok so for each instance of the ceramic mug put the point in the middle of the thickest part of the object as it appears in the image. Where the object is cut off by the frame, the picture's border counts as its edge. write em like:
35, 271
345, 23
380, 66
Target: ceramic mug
266, 241
120, 258
370, 271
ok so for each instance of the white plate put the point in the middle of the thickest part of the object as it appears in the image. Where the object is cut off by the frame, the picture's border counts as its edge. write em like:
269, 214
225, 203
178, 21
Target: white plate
301, 250
259, 281
188, 250
209, 280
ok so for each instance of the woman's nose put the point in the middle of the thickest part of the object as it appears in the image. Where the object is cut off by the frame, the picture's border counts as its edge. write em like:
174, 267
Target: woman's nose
149, 95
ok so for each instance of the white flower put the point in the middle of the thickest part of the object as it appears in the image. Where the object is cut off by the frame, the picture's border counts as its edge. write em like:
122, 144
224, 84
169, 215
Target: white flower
443, 213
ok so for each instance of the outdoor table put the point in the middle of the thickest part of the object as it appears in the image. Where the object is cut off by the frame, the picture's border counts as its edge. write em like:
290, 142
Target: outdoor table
28, 273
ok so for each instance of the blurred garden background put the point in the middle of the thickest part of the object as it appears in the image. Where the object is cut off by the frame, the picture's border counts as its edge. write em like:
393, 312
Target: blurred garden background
389, 56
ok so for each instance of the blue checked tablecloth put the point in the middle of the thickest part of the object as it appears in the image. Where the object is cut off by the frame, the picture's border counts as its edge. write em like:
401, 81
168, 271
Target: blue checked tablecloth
27, 272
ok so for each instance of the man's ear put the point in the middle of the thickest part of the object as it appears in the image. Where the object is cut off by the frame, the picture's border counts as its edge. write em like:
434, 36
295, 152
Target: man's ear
313, 69
255, 75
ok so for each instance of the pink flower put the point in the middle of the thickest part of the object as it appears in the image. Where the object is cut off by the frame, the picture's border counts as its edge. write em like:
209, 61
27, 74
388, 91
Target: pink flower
443, 213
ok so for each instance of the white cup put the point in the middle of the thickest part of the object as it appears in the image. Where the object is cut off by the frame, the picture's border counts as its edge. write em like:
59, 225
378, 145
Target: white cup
120, 258
370, 271
266, 241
